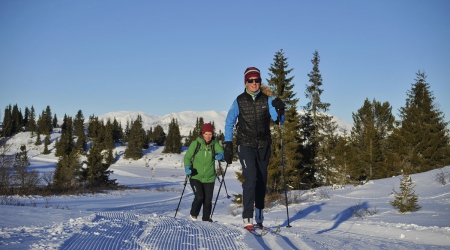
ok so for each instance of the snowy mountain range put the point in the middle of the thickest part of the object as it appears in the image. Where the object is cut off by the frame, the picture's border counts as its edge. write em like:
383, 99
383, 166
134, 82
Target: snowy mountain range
187, 119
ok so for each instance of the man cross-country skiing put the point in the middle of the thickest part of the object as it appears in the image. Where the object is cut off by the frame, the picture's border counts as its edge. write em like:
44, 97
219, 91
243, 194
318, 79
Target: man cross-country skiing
253, 111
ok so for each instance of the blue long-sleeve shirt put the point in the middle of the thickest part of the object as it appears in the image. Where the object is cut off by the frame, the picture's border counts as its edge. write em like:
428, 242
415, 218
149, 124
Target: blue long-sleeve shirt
233, 114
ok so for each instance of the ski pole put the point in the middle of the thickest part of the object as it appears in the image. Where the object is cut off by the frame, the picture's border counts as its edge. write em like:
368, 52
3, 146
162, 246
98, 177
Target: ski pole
185, 182
284, 172
224, 184
280, 90
223, 179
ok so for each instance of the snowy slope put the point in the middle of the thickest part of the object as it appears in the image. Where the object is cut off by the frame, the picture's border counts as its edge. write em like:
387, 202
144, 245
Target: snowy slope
145, 218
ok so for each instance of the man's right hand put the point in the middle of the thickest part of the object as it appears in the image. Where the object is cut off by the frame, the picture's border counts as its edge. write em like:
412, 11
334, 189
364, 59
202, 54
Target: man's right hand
228, 151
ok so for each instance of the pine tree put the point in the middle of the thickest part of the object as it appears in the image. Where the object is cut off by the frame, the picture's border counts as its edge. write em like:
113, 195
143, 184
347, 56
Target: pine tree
97, 174
7, 122
40, 123
55, 121
60, 176
44, 122
135, 140
159, 137
420, 142
68, 170
48, 121
65, 144
326, 156
126, 133
107, 141
173, 140
145, 143
26, 117
23, 177
78, 132
344, 160
109, 157
406, 200
281, 84
372, 124
93, 127
81, 145
322, 139
78, 124
31, 124
117, 131
38, 139
150, 135
101, 136
220, 136
17, 119
196, 132
46, 143
308, 148
20, 166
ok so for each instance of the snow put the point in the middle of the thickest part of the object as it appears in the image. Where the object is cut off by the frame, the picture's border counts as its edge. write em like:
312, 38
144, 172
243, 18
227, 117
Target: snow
143, 218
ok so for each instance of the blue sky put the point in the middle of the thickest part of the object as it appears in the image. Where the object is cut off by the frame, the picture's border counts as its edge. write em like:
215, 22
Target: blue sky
161, 57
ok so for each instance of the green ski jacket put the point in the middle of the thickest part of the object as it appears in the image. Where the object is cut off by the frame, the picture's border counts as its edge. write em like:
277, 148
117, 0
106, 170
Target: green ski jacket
203, 166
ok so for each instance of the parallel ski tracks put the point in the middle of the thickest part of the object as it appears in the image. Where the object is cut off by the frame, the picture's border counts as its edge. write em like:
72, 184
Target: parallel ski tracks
118, 230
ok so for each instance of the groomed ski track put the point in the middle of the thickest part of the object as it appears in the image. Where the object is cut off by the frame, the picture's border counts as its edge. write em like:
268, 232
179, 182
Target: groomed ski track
116, 230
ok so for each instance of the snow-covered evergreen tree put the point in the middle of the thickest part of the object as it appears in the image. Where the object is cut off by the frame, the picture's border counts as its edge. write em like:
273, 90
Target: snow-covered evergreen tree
406, 200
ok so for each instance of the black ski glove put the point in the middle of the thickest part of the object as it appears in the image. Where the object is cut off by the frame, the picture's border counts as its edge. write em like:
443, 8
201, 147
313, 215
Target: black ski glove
279, 105
228, 151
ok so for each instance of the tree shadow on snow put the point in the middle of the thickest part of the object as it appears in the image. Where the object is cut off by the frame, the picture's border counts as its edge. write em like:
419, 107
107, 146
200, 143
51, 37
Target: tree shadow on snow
305, 212
262, 243
344, 216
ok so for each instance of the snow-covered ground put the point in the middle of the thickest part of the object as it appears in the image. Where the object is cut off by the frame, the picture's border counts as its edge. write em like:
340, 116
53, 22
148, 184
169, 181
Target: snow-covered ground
145, 218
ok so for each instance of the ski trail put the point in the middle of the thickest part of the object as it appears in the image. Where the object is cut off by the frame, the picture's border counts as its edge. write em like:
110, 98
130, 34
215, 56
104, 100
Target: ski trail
117, 230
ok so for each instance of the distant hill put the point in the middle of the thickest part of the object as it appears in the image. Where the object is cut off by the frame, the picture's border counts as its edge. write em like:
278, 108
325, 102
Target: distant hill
187, 120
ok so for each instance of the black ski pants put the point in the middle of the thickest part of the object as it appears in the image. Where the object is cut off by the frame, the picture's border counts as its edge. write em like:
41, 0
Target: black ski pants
254, 171
203, 197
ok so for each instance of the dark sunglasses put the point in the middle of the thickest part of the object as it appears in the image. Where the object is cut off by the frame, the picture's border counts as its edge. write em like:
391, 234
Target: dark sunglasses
257, 80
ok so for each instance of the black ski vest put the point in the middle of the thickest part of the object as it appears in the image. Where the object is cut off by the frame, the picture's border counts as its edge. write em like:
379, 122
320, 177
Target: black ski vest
253, 126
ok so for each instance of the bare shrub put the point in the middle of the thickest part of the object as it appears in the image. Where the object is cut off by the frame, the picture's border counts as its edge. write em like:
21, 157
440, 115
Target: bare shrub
6, 169
323, 193
165, 189
301, 197
359, 212
13, 201
47, 202
293, 197
47, 178
440, 177
234, 210
272, 200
